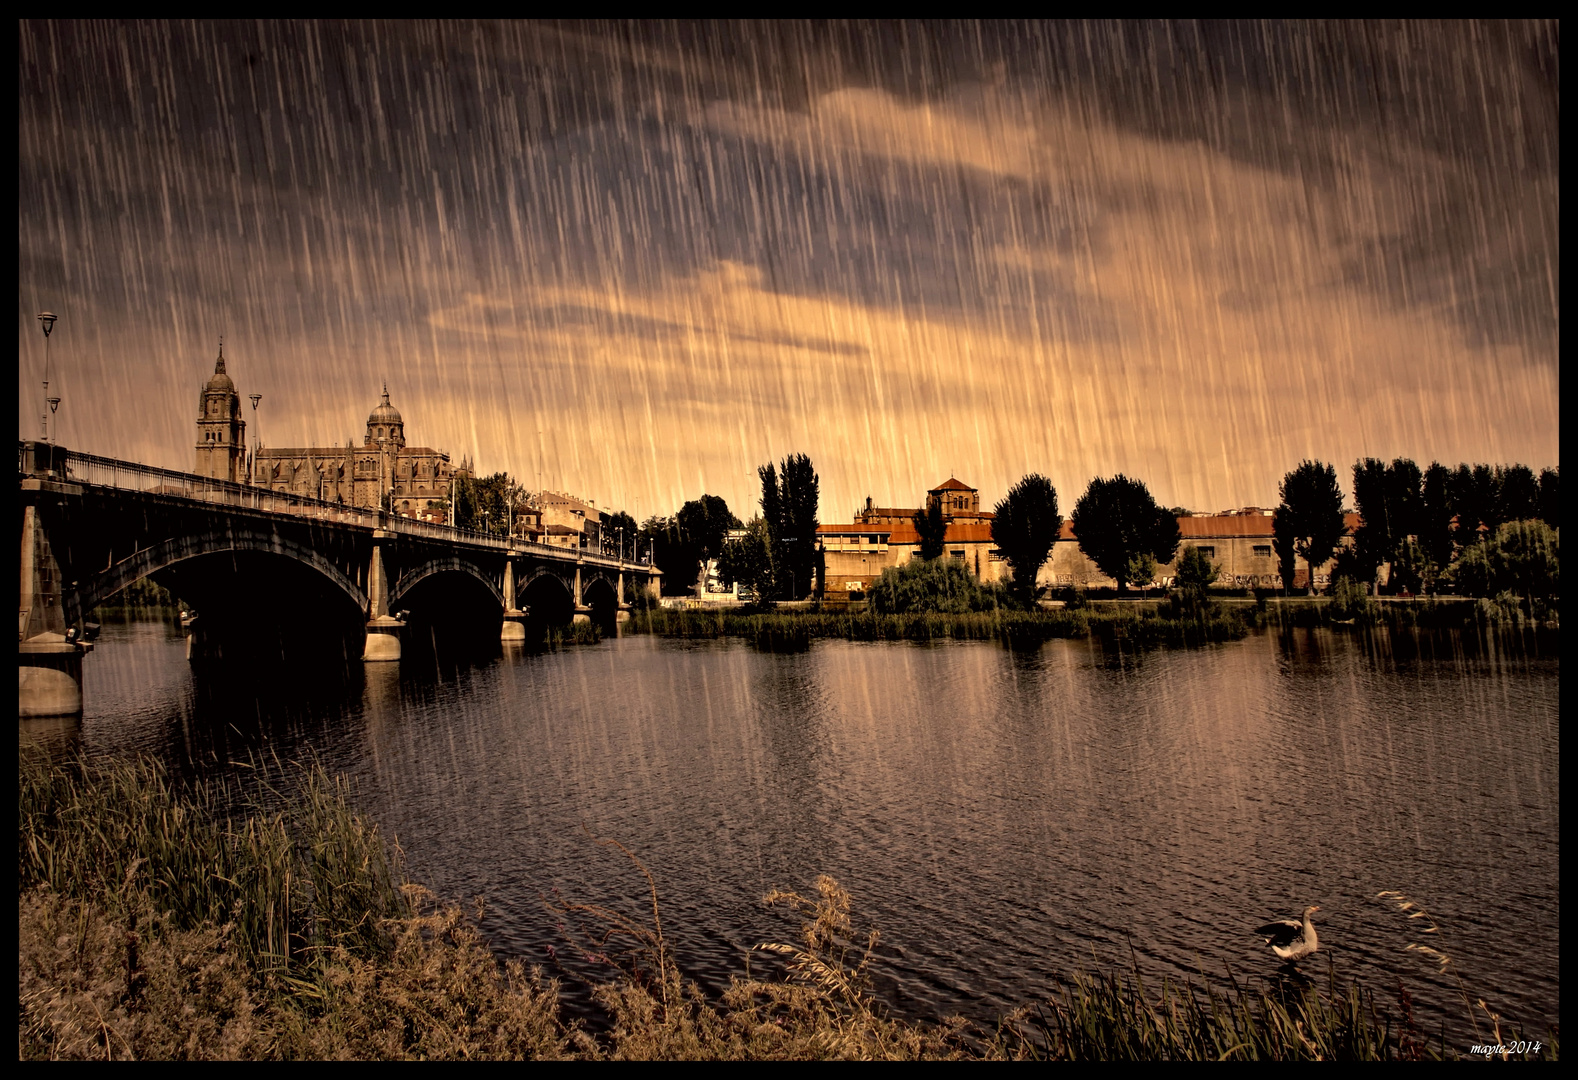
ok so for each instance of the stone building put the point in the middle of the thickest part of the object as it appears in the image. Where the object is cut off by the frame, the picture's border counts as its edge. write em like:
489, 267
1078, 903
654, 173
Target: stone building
417, 479
221, 433
569, 522
854, 555
1237, 541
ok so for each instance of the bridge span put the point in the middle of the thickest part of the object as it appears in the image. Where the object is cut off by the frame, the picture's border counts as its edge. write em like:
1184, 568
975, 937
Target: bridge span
269, 572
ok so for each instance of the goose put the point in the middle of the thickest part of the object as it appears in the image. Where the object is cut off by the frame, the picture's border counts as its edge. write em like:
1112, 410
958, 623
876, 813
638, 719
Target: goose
1291, 939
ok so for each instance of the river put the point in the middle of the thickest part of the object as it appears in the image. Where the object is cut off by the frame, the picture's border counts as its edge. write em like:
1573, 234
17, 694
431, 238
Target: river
1001, 815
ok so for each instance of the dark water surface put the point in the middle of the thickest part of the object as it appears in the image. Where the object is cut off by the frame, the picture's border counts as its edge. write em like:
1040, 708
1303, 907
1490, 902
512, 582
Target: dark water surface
999, 815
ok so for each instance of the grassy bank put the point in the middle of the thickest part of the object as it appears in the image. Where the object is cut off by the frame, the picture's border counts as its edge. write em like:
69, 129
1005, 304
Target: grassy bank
152, 926
1141, 624
1137, 623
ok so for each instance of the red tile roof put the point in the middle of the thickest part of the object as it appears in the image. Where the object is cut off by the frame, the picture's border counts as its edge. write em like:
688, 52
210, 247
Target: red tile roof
968, 532
896, 534
1210, 528
951, 484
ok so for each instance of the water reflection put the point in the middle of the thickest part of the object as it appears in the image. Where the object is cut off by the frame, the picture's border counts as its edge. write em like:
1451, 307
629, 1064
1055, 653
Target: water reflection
1001, 814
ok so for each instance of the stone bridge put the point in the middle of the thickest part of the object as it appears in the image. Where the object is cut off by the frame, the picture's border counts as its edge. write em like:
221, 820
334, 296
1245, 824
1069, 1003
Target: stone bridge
268, 572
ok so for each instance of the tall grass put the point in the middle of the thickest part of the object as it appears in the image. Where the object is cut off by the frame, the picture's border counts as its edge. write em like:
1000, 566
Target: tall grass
291, 882
154, 924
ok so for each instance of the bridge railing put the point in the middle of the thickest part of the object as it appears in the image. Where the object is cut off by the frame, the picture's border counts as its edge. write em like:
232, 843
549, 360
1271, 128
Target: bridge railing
73, 465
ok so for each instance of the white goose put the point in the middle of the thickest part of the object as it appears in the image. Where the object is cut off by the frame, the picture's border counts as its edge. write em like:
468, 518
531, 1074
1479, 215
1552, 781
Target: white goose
1291, 939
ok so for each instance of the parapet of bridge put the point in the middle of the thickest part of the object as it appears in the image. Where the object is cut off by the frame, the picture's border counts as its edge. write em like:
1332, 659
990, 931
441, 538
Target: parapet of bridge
91, 526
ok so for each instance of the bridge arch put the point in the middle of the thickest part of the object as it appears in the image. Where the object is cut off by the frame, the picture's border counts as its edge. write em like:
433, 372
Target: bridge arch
151, 560
548, 596
440, 565
601, 595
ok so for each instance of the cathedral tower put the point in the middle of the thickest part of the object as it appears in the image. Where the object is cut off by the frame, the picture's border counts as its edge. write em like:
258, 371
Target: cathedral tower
221, 433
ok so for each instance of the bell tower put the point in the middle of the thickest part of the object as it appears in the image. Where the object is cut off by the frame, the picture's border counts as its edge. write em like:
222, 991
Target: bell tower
221, 433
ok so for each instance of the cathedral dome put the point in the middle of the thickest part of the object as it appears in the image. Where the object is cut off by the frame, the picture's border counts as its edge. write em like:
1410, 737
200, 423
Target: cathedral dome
384, 413
221, 383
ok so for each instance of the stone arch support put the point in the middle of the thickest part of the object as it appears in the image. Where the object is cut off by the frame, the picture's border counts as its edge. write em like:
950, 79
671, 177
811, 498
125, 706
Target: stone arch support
443, 564
150, 560
528, 578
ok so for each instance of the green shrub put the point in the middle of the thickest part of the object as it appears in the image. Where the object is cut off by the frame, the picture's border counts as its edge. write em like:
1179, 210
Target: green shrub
932, 585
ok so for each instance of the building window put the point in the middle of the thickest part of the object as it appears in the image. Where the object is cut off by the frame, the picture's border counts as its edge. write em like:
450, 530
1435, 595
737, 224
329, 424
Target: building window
1262, 551
1208, 551
957, 554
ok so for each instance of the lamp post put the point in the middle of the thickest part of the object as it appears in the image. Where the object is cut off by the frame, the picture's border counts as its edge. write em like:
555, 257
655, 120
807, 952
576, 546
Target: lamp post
257, 437
47, 321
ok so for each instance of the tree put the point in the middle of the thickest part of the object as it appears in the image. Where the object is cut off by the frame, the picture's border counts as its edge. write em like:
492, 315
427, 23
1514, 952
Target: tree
695, 535
620, 531
1550, 496
1474, 500
1373, 542
1195, 570
703, 523
1194, 575
1284, 543
1435, 515
466, 515
1517, 494
1391, 508
1312, 512
1117, 519
1024, 529
789, 503
749, 560
932, 528
1523, 558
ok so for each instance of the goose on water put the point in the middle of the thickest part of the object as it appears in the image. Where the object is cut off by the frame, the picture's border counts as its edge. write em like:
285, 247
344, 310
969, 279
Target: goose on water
1291, 939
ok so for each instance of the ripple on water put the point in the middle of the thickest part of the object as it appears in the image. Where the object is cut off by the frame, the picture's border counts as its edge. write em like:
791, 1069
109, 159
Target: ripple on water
1000, 815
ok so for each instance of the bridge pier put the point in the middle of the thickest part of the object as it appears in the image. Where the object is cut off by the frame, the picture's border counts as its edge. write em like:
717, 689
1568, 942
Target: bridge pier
383, 629
622, 611
514, 628
48, 664
583, 614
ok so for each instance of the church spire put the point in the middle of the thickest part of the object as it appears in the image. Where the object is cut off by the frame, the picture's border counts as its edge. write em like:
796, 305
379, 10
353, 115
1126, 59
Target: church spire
219, 365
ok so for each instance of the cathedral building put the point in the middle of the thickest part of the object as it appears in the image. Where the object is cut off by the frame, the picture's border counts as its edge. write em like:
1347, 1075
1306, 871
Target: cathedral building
221, 433
416, 479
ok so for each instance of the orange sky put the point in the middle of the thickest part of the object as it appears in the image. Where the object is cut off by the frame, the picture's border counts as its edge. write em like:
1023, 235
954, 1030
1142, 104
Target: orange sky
641, 283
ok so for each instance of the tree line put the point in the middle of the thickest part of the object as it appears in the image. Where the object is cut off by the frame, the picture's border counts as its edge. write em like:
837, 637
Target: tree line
1421, 522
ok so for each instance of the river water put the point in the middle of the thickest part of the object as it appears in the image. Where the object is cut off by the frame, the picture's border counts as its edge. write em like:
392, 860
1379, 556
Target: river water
1001, 815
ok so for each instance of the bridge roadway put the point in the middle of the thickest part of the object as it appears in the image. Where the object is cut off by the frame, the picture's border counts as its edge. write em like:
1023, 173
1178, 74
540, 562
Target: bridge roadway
269, 571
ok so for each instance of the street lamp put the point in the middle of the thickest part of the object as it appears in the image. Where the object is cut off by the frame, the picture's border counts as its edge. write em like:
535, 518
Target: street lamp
47, 320
257, 436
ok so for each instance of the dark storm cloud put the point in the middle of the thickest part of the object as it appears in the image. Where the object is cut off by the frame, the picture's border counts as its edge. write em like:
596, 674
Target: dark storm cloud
1064, 218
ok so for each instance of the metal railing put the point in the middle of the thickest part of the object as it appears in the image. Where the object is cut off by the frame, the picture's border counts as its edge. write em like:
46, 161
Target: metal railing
76, 467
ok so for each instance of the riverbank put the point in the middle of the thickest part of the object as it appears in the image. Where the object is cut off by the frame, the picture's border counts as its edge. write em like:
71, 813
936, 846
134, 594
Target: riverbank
1136, 622
154, 924
784, 631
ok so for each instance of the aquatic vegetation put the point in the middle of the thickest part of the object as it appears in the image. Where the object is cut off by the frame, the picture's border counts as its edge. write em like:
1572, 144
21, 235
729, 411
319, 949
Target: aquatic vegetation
1139, 624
